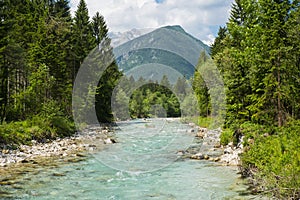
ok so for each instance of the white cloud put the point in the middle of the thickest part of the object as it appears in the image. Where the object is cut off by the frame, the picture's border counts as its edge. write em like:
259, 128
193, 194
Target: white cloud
200, 18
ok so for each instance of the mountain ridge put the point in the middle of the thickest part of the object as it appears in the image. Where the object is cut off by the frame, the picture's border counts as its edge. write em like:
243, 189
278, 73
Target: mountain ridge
169, 46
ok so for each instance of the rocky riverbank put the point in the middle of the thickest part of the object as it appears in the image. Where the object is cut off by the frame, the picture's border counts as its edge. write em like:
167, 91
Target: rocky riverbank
88, 140
207, 146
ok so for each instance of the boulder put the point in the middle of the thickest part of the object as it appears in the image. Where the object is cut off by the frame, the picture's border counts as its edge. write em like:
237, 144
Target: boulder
228, 150
200, 134
109, 141
217, 159
206, 157
5, 151
197, 156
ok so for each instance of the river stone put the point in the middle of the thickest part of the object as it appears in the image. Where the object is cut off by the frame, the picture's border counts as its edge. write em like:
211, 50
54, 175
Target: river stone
197, 156
206, 157
200, 134
228, 150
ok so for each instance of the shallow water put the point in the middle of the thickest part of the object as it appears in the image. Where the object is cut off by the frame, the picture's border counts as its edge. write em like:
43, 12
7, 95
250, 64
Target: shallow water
144, 165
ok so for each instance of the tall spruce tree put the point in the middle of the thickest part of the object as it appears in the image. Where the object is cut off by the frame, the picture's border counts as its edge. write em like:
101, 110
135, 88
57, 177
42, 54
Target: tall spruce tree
200, 88
230, 59
218, 45
82, 34
111, 74
270, 71
99, 28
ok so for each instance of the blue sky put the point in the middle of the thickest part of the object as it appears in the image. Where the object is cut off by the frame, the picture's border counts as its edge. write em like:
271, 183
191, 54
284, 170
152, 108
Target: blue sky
159, 1
200, 18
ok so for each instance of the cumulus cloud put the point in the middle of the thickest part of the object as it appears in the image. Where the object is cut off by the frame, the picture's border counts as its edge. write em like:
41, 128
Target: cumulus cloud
200, 18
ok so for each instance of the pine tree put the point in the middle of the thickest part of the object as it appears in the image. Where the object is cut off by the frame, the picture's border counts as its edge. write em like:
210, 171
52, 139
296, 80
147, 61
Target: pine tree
293, 27
56, 47
4, 35
82, 34
230, 59
111, 74
180, 87
270, 73
200, 88
99, 28
218, 45
237, 14
62, 10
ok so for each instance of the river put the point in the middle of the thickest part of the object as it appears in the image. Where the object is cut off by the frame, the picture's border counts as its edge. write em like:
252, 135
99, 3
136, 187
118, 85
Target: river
142, 165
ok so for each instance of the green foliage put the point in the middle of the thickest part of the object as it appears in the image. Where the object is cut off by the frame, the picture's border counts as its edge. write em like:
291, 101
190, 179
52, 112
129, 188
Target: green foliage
258, 57
41, 49
99, 28
218, 44
37, 128
82, 36
189, 106
200, 87
154, 100
276, 157
226, 136
205, 122
259, 74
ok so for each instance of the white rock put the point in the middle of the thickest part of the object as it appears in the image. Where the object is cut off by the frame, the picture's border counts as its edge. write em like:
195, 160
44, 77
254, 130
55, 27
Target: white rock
108, 141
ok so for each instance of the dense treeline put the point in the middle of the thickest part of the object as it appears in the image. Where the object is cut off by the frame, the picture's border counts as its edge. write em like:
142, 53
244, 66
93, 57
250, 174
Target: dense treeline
154, 100
143, 98
186, 98
258, 54
42, 49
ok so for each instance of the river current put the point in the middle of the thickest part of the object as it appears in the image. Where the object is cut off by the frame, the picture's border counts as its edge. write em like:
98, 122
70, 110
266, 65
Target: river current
143, 165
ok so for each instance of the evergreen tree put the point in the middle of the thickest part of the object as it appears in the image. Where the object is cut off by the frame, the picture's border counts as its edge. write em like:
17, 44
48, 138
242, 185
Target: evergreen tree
111, 74
230, 59
270, 73
82, 34
62, 10
99, 28
200, 87
293, 25
237, 13
180, 87
218, 45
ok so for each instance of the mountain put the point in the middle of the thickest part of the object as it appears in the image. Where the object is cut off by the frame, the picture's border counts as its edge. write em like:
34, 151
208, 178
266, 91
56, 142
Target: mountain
118, 38
168, 51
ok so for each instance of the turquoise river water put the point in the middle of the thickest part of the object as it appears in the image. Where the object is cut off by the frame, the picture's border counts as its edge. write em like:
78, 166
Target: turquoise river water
143, 165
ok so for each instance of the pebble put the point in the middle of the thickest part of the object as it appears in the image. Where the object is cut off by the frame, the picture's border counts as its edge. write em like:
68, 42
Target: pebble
228, 155
59, 147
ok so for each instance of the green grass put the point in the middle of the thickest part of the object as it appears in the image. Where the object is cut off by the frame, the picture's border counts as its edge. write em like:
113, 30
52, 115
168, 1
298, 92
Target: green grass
226, 136
204, 122
36, 128
275, 157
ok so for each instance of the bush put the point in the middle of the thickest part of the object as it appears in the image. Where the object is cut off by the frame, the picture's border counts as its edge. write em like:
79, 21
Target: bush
36, 128
63, 126
276, 157
226, 136
15, 133
205, 121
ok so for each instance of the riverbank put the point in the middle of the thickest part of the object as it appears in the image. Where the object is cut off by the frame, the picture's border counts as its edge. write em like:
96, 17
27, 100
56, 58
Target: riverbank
89, 140
211, 148
94, 138
269, 160
58, 176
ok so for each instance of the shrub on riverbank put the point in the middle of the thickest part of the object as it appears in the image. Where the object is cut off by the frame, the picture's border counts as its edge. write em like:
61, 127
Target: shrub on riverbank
204, 122
37, 128
226, 136
272, 158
